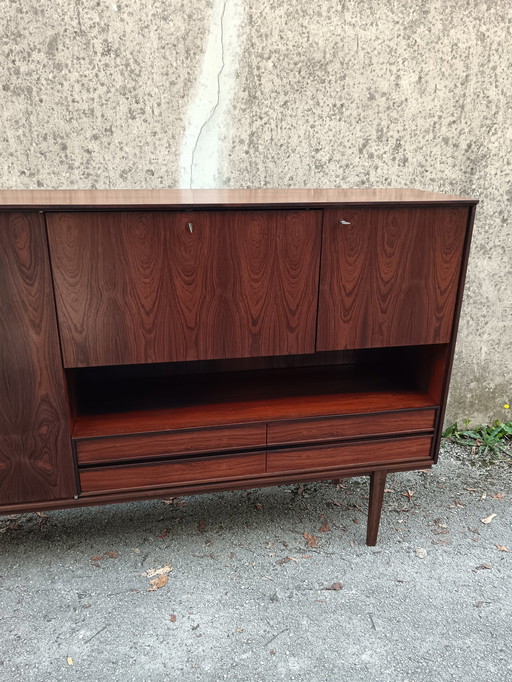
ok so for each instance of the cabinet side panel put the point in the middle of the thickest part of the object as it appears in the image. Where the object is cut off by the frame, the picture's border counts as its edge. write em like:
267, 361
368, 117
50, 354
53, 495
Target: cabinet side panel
35, 447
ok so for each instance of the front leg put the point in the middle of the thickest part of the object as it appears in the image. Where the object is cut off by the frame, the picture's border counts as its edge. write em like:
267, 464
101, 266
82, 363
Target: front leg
377, 485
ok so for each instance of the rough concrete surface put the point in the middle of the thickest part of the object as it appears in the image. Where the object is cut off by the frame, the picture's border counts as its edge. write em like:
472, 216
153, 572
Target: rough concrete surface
248, 93
246, 598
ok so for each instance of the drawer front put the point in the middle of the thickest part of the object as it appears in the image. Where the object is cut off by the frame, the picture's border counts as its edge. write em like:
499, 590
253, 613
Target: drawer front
103, 450
168, 286
350, 455
336, 428
158, 475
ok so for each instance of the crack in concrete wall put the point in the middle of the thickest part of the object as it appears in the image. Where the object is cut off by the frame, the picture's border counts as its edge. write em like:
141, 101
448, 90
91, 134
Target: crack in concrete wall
209, 118
215, 106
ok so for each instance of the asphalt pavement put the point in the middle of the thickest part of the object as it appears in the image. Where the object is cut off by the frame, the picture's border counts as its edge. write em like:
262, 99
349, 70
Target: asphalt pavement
267, 585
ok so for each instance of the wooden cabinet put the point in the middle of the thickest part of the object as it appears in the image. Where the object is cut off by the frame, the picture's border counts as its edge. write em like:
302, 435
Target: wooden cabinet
171, 342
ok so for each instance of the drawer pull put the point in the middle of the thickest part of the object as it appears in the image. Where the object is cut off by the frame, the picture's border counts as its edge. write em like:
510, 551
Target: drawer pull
190, 227
344, 222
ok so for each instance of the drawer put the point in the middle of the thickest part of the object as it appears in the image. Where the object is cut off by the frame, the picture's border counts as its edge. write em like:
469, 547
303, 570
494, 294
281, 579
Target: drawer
336, 428
161, 474
190, 441
393, 451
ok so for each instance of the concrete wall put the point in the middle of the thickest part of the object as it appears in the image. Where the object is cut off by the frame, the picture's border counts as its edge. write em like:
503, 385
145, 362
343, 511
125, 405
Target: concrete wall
248, 93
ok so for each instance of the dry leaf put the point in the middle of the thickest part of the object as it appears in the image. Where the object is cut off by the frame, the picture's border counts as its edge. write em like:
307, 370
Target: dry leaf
456, 503
483, 567
409, 494
201, 526
97, 558
286, 559
421, 552
164, 533
499, 496
175, 501
159, 582
489, 518
151, 572
173, 618
259, 507
502, 548
388, 490
311, 540
335, 587
112, 555
326, 527
69, 660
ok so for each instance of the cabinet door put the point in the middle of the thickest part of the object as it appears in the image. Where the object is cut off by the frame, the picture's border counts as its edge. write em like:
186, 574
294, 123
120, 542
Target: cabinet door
35, 447
389, 276
169, 286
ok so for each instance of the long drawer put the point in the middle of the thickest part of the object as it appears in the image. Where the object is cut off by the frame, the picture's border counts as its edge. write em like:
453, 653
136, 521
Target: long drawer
188, 470
187, 441
351, 426
360, 453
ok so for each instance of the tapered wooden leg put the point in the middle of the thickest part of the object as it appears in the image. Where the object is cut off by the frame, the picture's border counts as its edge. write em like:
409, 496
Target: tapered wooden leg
377, 485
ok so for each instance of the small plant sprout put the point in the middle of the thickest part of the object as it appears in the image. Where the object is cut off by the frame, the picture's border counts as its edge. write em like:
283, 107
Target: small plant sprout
490, 444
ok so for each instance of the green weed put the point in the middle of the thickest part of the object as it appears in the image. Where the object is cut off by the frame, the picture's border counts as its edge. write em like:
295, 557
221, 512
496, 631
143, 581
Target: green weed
490, 444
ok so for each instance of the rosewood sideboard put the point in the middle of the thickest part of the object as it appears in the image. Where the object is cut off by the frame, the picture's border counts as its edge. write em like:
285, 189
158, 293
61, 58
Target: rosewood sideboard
171, 342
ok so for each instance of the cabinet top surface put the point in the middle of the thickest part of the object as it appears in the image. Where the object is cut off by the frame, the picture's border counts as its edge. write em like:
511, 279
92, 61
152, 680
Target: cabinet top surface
225, 198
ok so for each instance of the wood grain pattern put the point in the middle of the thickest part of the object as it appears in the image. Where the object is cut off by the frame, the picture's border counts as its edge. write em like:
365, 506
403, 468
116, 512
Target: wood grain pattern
229, 198
260, 481
140, 287
189, 470
354, 454
339, 427
171, 443
390, 277
215, 400
35, 446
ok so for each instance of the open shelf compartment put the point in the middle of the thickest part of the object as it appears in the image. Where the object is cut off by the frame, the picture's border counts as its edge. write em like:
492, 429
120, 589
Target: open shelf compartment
152, 398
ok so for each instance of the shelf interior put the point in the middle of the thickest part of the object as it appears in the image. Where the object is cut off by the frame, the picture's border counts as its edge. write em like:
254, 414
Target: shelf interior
141, 399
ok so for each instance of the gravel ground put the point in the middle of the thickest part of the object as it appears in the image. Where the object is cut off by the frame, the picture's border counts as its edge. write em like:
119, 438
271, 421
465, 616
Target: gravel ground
247, 598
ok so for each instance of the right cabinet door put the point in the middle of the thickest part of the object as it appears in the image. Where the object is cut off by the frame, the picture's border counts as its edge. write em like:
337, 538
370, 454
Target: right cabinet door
389, 276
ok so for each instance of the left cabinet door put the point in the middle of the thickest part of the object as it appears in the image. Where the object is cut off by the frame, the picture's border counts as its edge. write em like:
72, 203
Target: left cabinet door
164, 286
35, 448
